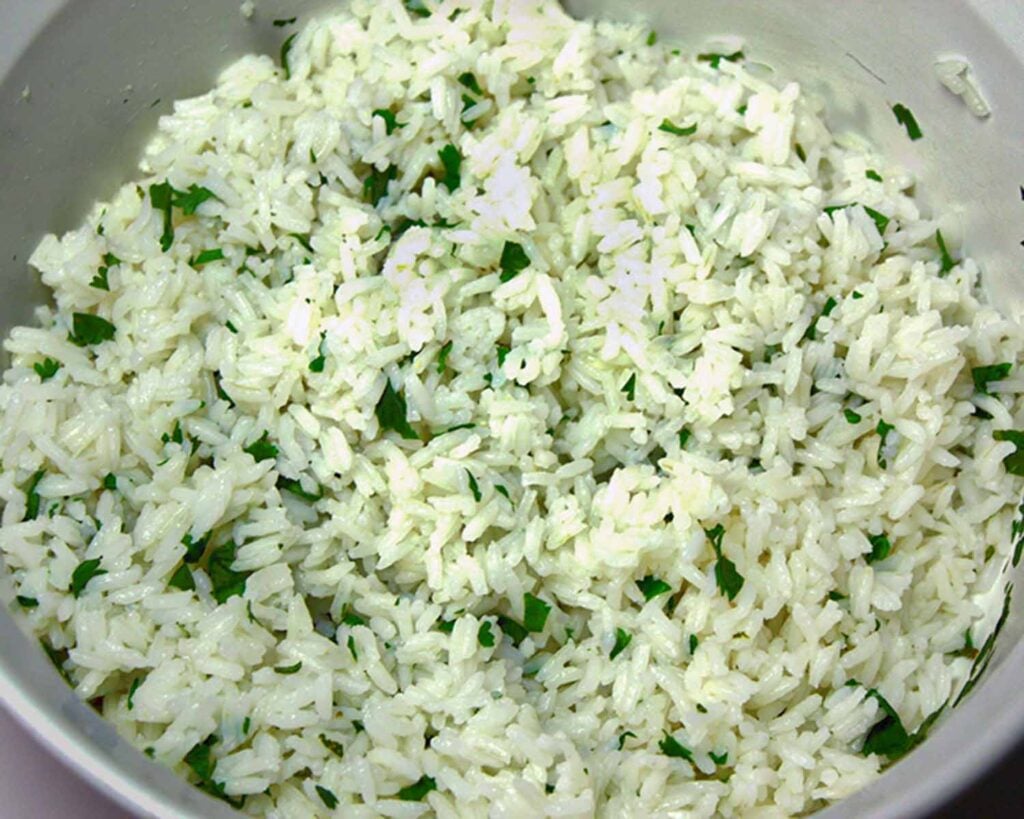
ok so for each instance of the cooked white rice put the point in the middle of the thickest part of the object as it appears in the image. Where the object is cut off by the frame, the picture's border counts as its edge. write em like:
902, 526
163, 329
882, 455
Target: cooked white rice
676, 283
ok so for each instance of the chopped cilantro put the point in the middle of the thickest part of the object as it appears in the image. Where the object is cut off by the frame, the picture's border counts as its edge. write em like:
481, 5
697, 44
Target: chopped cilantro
285, 22
231, 327
327, 797
880, 548
880, 219
452, 161
622, 639
883, 429
375, 187
948, 262
719, 759
651, 587
194, 549
836, 596
513, 261
442, 357
295, 488
391, 413
83, 573
629, 388
288, 669
27, 602
417, 791
684, 436
727, 578
905, 117
89, 329
32, 496
669, 128
182, 579
501, 490
350, 618
286, 47
851, 416
100, 280
694, 642
535, 612
200, 759
246, 725
46, 369
469, 80
333, 746
417, 7
670, 746
190, 200
812, 331
446, 626
888, 737
484, 635
1014, 462
503, 352
652, 38
873, 175
161, 196
131, 692
226, 582
391, 122
261, 449
207, 256
983, 376
801, 154
716, 59
513, 630
474, 487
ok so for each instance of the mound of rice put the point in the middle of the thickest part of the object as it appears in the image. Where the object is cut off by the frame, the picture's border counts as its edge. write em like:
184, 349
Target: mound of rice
486, 413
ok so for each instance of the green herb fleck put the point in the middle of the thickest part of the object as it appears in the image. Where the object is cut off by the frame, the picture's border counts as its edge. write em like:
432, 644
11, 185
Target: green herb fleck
873, 175
651, 587
513, 261
484, 635
503, 352
182, 579
391, 122
851, 416
327, 797
727, 578
350, 618
948, 262
888, 737
333, 746
375, 187
161, 196
812, 331
131, 692
501, 490
719, 759
261, 449
883, 429
670, 746
694, 642
513, 630
684, 437
452, 161
418, 790
983, 376
288, 669
294, 487
536, 612
836, 596
652, 38
442, 357
286, 47
880, 548
1014, 462
474, 487
285, 22
391, 413
190, 200
231, 327
622, 639
89, 329
83, 573
905, 118
194, 550
207, 256
27, 602
446, 626
46, 369
716, 59
670, 128
226, 582
629, 388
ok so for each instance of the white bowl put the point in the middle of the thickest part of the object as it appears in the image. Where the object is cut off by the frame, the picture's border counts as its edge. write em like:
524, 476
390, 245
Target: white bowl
78, 81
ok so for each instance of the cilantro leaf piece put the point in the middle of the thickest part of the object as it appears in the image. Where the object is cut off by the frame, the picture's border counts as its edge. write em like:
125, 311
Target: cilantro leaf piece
46, 369
110, 481
812, 331
333, 746
1014, 462
131, 692
503, 352
375, 187
182, 579
694, 642
716, 59
880, 547
719, 759
288, 669
295, 488
452, 161
983, 376
629, 388
670, 746
391, 413
651, 587
670, 128
32, 498
684, 437
227, 583
535, 612
350, 618
474, 487
715, 535
442, 357
446, 626
417, 791
502, 490
873, 175
484, 635
100, 280
622, 639
391, 123
906, 118
200, 759
624, 736
727, 578
190, 200
161, 196
888, 737
513, 630
948, 262
851, 416
27, 602
194, 549
87, 329
83, 573
469, 80
513, 261
883, 429
261, 449
207, 256
284, 22
327, 797
286, 47
880, 219
652, 38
